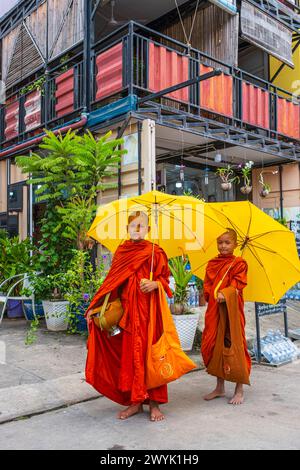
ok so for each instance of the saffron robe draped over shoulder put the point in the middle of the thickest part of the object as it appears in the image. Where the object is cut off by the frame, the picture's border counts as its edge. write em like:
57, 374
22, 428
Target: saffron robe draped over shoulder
115, 365
235, 277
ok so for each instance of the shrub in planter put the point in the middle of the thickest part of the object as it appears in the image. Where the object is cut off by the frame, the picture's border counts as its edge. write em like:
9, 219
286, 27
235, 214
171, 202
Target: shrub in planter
50, 290
84, 282
185, 321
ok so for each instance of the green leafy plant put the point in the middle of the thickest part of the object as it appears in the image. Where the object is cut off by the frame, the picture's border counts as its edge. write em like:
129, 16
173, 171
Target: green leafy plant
69, 172
16, 257
63, 61
36, 85
84, 283
266, 187
190, 193
283, 221
181, 277
50, 286
227, 174
246, 169
31, 335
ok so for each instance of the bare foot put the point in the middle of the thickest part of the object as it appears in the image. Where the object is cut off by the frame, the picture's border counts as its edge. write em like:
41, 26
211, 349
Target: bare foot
156, 414
130, 411
238, 397
215, 394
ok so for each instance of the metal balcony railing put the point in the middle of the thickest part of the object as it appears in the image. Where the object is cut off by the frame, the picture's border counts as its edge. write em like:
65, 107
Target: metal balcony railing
135, 60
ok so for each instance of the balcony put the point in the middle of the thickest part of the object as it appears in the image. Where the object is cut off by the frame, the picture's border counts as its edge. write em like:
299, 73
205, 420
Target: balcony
285, 11
135, 62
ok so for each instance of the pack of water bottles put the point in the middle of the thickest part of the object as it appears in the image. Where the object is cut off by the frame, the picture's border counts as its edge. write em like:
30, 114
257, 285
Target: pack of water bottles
277, 348
294, 293
193, 295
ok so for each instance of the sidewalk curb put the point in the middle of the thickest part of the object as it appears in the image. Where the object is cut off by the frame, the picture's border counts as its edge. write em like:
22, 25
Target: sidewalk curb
30, 399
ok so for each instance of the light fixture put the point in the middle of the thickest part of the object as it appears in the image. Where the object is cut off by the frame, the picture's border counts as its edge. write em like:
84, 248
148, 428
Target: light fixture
181, 173
218, 157
206, 177
178, 184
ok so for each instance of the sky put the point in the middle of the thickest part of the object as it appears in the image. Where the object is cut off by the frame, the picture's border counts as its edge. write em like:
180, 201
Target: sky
6, 5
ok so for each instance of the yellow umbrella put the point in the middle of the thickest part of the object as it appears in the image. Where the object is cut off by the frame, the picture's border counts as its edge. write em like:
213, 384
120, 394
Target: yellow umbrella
178, 223
268, 247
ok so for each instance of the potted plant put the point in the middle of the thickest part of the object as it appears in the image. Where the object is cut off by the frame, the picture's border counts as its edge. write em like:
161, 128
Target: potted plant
227, 176
51, 289
185, 321
283, 221
15, 259
84, 283
181, 277
266, 187
245, 169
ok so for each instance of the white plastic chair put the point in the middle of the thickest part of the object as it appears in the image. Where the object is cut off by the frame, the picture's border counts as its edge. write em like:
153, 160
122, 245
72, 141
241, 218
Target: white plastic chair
4, 297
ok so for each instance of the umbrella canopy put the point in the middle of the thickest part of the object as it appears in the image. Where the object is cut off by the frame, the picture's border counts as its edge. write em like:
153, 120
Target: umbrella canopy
177, 223
268, 247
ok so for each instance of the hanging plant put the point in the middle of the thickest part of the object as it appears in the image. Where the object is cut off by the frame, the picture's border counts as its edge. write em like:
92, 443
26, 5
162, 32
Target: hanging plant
266, 187
245, 169
228, 177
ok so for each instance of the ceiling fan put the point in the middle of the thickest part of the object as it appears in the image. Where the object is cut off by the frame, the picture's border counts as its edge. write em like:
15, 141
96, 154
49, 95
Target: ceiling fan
112, 21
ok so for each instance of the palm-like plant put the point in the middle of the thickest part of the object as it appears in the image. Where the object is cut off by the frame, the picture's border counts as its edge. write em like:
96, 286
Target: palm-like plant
70, 172
181, 277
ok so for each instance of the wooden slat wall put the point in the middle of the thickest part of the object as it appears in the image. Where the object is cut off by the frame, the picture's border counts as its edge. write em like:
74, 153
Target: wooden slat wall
72, 31
36, 23
19, 54
8, 46
215, 33
24, 60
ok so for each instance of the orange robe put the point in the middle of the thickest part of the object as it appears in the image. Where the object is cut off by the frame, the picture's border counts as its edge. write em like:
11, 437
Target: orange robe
115, 365
236, 277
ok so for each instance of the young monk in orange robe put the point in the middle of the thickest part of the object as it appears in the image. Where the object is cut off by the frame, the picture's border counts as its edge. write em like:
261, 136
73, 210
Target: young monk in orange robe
235, 271
116, 364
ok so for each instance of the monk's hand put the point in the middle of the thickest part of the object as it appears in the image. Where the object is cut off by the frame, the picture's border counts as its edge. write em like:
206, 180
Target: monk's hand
220, 297
147, 286
89, 315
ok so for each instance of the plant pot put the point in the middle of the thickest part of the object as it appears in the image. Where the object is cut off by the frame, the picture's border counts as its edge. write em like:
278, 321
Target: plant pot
77, 321
14, 309
226, 186
246, 189
186, 326
264, 192
28, 308
177, 308
56, 314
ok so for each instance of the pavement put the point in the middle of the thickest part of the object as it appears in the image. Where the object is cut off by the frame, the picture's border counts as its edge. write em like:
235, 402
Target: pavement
42, 388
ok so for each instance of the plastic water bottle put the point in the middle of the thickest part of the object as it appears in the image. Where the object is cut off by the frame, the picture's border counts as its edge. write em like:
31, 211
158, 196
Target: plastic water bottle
191, 296
196, 293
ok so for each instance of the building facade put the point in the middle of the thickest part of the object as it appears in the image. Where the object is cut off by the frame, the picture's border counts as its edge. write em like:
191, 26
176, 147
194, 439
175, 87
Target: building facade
190, 85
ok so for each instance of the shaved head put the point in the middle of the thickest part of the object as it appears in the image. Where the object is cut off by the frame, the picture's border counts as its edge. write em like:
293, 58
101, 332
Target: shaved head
232, 234
136, 214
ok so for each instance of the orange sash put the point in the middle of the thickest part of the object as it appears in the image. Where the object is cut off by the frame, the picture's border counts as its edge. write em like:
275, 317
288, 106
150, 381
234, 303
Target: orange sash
165, 359
229, 363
